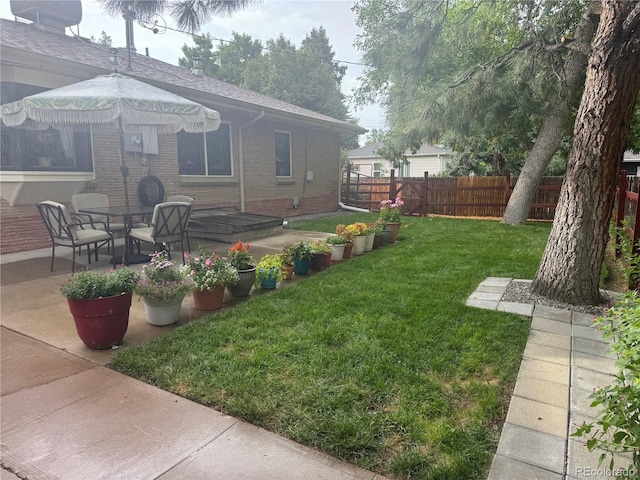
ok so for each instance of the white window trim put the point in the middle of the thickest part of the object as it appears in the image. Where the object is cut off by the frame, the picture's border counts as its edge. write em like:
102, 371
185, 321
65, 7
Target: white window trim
290, 153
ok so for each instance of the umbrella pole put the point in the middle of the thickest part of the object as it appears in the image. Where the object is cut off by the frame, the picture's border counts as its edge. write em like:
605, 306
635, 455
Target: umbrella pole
123, 164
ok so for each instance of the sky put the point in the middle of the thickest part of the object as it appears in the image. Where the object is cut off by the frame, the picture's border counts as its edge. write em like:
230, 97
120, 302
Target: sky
267, 20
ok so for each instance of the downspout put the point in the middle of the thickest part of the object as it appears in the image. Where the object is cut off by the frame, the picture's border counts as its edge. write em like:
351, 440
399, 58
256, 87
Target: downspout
342, 205
241, 156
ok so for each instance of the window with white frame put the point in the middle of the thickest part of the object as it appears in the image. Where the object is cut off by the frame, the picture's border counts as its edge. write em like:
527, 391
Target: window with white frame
283, 154
205, 154
377, 169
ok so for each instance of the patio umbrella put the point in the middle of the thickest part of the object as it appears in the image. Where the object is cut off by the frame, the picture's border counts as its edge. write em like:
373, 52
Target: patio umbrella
113, 98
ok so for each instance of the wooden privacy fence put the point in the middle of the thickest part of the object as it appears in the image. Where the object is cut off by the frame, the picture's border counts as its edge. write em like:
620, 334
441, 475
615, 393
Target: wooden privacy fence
627, 208
455, 196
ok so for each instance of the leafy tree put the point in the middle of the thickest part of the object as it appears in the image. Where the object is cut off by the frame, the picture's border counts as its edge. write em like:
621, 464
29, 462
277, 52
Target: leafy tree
307, 76
103, 40
481, 76
203, 49
570, 267
237, 56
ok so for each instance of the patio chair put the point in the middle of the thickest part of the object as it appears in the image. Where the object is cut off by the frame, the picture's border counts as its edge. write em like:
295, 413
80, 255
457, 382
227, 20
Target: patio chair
71, 233
91, 200
169, 224
189, 200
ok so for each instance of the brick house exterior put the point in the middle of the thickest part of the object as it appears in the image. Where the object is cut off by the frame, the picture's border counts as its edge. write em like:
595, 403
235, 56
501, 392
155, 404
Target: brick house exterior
33, 57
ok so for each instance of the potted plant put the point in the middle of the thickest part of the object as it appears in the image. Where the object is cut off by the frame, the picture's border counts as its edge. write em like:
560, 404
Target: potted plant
301, 255
336, 244
100, 304
210, 273
319, 253
239, 256
162, 288
390, 215
341, 230
287, 263
269, 271
370, 236
358, 232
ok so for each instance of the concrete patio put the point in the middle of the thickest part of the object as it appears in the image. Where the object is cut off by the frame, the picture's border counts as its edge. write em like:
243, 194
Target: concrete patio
65, 415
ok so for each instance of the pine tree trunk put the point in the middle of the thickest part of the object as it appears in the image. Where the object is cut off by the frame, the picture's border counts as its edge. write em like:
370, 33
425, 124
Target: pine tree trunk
570, 267
550, 134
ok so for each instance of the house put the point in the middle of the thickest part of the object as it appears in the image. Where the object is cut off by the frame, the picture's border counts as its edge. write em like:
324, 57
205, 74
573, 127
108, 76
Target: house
268, 156
428, 158
631, 163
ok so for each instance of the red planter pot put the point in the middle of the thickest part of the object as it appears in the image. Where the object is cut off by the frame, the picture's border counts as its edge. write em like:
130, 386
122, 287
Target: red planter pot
101, 322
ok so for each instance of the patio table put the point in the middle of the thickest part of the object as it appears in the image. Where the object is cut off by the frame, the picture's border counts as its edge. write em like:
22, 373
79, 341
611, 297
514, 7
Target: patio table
127, 213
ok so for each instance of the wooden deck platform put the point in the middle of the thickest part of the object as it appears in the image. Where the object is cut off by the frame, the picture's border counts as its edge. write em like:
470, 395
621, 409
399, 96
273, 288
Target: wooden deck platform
229, 226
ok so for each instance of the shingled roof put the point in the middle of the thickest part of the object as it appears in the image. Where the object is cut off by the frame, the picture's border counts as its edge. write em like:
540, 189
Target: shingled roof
28, 38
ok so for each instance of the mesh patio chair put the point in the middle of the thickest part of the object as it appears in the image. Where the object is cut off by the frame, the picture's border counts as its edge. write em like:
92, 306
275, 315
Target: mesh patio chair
67, 232
168, 225
186, 199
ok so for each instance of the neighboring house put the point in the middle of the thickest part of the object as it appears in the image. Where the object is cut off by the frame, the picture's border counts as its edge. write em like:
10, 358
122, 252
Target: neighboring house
268, 156
631, 163
428, 158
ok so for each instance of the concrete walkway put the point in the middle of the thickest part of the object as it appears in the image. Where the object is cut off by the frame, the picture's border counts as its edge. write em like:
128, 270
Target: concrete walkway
564, 360
65, 415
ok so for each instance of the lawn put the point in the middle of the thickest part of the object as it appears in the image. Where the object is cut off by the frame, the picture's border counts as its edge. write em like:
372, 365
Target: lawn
376, 360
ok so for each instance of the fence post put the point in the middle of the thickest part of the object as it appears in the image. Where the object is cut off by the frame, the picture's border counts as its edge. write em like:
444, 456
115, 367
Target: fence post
348, 185
622, 200
426, 194
392, 185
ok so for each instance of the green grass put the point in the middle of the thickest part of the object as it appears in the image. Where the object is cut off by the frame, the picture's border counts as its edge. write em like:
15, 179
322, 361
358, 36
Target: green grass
376, 360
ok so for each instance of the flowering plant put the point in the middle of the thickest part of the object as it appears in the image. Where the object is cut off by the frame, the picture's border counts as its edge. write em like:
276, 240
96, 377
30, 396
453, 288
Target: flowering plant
341, 230
320, 246
161, 281
357, 229
390, 210
239, 256
209, 270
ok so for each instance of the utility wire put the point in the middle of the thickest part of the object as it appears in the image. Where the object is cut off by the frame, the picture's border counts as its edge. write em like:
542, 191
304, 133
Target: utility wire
157, 29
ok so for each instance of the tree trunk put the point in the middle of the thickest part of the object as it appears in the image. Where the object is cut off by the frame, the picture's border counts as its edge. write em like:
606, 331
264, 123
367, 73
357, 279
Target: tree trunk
550, 134
570, 267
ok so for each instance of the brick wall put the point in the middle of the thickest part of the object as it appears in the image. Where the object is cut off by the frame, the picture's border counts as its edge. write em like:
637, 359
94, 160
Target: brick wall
313, 150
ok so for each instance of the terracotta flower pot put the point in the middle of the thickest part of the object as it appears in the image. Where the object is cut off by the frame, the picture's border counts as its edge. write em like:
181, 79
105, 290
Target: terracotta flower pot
394, 230
208, 300
287, 272
348, 249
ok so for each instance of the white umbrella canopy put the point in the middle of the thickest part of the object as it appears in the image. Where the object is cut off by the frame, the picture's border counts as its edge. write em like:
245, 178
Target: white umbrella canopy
106, 99
111, 98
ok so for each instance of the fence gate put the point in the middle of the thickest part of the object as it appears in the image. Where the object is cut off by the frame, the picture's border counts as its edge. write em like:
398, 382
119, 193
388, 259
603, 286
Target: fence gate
414, 192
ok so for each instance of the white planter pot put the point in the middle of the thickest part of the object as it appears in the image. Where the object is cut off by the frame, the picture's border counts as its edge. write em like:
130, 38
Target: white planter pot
162, 314
337, 252
368, 244
358, 245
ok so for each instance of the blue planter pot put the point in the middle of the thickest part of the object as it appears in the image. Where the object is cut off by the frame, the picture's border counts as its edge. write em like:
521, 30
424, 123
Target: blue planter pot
269, 283
301, 267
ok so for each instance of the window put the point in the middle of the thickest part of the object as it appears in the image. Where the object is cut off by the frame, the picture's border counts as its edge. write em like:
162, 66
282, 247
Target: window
377, 170
214, 159
283, 154
64, 148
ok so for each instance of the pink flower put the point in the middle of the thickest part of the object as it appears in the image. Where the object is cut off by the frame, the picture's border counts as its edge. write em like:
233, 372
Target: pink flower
207, 262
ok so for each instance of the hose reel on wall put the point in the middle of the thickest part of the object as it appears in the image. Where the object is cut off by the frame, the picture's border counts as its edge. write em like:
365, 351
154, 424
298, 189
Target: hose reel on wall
150, 191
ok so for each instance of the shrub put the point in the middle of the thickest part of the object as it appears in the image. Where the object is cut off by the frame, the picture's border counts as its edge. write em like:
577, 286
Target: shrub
616, 429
